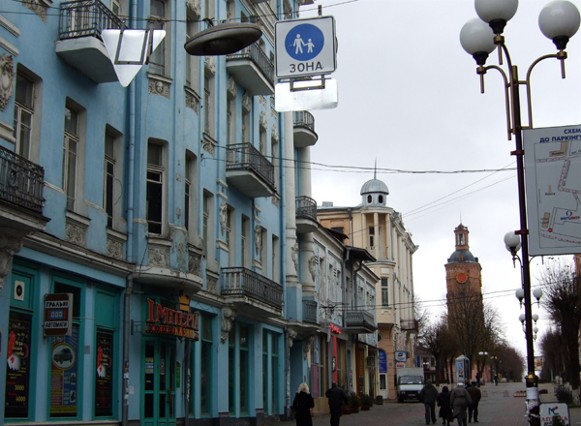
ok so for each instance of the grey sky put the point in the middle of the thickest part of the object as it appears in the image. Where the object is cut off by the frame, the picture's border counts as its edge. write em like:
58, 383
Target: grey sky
409, 97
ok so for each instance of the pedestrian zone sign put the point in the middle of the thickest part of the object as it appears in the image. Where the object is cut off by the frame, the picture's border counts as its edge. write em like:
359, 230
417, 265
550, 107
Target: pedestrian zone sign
305, 47
552, 410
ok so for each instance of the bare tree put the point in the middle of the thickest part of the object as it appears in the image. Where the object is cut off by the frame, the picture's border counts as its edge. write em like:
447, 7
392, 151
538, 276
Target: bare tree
562, 301
551, 344
436, 340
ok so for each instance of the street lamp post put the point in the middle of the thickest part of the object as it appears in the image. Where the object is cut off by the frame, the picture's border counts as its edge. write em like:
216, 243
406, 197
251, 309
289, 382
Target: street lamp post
558, 21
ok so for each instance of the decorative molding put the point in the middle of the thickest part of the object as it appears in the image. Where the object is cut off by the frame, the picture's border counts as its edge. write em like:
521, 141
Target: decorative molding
246, 102
308, 345
274, 132
38, 6
223, 218
76, 232
10, 244
263, 121
6, 80
9, 47
209, 144
193, 6
157, 86
231, 87
210, 64
158, 256
192, 99
9, 26
115, 247
228, 317
258, 231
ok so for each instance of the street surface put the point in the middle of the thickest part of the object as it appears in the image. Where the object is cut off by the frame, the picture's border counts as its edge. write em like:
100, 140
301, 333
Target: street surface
498, 407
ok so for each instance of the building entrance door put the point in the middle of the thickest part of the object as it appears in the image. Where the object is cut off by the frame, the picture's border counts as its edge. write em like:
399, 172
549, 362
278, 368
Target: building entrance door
159, 383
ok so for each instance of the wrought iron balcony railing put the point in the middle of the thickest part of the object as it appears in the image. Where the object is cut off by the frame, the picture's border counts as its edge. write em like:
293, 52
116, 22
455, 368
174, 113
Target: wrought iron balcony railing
310, 311
256, 55
240, 281
86, 18
21, 181
306, 207
409, 325
245, 156
360, 319
304, 119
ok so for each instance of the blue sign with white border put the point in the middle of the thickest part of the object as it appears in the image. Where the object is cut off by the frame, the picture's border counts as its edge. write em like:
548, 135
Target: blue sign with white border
305, 47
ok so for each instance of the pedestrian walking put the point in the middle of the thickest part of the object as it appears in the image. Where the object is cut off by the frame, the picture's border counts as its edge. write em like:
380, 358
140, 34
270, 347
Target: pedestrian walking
429, 396
459, 400
336, 398
302, 406
445, 412
475, 395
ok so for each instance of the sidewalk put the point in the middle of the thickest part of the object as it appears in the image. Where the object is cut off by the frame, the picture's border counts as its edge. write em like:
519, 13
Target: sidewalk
502, 405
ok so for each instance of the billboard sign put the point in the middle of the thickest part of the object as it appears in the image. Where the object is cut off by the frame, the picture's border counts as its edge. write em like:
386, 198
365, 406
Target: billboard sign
553, 189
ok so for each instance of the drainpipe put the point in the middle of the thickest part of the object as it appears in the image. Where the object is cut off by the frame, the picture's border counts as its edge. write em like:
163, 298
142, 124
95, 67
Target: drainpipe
129, 248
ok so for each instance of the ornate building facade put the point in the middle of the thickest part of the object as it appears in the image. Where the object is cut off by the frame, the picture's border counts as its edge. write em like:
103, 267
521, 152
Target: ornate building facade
380, 230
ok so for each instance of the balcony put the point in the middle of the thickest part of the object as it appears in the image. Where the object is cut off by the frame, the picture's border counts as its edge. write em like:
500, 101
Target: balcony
361, 322
79, 43
21, 186
306, 214
304, 129
251, 292
408, 325
310, 311
252, 69
249, 171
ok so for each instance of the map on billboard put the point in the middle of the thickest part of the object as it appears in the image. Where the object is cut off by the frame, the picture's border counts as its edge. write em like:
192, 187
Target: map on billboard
553, 187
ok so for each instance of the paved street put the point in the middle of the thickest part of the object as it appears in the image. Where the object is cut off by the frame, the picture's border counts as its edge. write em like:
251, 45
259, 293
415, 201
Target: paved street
498, 407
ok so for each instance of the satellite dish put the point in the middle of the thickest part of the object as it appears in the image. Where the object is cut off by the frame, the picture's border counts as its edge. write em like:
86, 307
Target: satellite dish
223, 39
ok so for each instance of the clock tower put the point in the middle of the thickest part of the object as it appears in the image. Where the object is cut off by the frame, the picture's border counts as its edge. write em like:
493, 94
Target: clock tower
463, 272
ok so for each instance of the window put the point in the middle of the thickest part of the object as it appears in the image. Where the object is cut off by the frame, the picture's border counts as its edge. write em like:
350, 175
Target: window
371, 236
190, 193
116, 7
245, 241
275, 260
247, 119
24, 114
231, 119
207, 230
209, 102
239, 367
206, 364
155, 187
270, 372
384, 292
274, 148
72, 154
112, 186
262, 135
158, 18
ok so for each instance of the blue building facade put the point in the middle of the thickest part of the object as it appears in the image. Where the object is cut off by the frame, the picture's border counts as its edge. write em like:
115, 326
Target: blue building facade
155, 240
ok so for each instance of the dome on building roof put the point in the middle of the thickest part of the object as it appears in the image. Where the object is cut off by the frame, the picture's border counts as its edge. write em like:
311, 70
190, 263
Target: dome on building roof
374, 186
462, 256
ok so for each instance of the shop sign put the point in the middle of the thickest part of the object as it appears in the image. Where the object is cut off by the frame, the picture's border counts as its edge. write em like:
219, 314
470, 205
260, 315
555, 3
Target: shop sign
171, 322
334, 329
401, 356
58, 314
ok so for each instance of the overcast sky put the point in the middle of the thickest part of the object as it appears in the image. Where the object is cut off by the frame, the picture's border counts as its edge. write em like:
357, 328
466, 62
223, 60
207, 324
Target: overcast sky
409, 98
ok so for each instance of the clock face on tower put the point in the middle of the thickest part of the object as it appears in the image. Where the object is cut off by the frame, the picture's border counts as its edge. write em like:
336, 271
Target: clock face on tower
461, 277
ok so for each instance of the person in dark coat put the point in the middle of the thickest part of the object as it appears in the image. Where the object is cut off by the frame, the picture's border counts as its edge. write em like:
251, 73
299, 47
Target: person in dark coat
475, 394
429, 395
302, 405
445, 412
336, 398
460, 400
